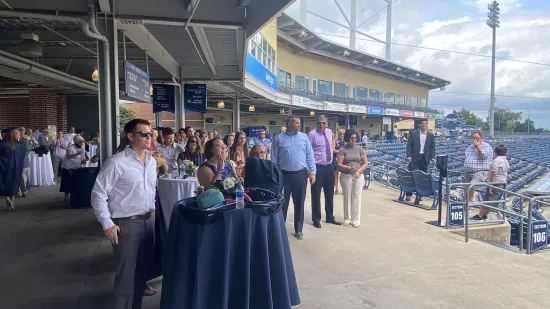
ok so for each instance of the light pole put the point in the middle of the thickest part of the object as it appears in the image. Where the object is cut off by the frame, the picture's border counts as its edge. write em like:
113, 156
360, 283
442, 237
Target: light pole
493, 22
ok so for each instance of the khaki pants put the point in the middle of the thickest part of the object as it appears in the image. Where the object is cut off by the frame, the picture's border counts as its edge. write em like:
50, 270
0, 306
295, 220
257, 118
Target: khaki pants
23, 184
352, 189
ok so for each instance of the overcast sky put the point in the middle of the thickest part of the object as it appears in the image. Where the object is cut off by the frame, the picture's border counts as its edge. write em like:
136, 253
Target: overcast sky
458, 25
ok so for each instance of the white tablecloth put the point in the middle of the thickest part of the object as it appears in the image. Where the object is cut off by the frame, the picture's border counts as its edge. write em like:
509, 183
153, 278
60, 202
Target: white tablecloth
173, 190
93, 152
41, 170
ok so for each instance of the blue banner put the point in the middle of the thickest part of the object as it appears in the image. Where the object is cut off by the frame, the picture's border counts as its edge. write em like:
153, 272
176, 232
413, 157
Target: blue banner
540, 236
164, 98
195, 97
375, 110
456, 214
136, 82
254, 131
260, 72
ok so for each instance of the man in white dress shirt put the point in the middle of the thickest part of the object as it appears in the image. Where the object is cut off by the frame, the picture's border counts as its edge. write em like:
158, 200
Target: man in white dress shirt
169, 148
123, 199
69, 136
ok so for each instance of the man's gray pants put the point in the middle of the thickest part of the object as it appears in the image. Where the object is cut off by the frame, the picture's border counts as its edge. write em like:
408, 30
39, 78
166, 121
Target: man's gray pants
134, 261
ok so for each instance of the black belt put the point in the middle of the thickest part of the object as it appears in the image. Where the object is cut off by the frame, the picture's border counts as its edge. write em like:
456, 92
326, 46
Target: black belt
145, 216
292, 172
321, 165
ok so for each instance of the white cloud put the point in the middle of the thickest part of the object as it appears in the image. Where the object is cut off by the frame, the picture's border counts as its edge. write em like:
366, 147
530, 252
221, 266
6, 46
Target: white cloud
523, 35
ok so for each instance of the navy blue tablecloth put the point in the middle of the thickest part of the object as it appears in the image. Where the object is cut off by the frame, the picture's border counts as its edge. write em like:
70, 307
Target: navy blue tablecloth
241, 261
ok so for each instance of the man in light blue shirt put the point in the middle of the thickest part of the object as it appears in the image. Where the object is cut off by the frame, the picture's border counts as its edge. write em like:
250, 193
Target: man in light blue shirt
292, 151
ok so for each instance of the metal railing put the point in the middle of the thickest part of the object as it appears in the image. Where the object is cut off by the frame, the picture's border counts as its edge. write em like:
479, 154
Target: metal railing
487, 204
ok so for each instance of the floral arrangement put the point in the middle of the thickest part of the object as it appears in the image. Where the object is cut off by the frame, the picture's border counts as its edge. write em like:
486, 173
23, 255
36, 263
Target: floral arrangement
189, 166
227, 186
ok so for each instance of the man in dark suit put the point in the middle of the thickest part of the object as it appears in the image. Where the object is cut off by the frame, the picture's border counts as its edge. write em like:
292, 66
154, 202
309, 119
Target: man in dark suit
420, 149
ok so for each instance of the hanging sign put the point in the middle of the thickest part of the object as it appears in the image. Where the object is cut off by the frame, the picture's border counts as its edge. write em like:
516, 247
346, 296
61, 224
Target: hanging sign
336, 107
164, 98
359, 109
136, 82
195, 97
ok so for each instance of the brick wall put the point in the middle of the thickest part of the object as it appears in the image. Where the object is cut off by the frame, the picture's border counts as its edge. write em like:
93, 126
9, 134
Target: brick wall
145, 111
40, 110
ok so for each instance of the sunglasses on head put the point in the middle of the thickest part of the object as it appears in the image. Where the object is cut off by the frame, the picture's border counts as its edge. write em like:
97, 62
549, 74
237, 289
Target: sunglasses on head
145, 133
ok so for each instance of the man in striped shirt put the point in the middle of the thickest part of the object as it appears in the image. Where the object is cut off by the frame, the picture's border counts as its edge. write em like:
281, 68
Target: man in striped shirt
478, 158
123, 199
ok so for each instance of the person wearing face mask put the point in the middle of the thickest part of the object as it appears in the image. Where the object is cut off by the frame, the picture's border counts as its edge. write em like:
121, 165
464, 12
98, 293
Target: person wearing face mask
12, 155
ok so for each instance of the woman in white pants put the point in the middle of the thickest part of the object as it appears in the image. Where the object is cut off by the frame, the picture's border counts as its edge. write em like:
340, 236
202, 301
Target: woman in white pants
352, 162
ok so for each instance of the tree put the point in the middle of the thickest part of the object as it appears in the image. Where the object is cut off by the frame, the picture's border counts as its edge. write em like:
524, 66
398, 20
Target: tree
505, 120
469, 117
126, 114
522, 126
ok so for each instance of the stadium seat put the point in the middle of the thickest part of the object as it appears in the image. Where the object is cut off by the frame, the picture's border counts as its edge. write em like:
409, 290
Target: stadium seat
405, 179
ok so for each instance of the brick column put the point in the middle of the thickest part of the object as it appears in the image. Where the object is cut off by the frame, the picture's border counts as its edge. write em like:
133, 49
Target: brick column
42, 109
14, 112
61, 112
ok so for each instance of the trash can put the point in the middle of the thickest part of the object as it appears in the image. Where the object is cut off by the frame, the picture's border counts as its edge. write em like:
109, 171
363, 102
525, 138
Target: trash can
82, 182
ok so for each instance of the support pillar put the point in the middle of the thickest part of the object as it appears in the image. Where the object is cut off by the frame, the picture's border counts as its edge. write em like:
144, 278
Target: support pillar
388, 29
353, 22
303, 12
347, 122
109, 116
237, 114
180, 112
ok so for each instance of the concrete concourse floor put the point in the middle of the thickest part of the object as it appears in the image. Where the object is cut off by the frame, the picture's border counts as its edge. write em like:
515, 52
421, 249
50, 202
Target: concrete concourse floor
53, 257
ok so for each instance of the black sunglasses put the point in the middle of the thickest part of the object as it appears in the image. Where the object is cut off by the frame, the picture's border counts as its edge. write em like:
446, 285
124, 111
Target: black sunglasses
145, 133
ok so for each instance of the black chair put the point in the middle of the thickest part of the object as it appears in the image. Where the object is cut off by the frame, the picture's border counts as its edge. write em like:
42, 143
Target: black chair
424, 187
366, 174
405, 181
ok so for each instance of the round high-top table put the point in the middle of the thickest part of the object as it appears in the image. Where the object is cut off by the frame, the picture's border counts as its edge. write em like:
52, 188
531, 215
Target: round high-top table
41, 170
171, 190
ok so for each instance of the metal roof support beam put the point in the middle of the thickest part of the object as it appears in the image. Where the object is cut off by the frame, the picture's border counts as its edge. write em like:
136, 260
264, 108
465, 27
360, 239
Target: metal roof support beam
205, 47
293, 32
324, 45
146, 41
104, 6
370, 36
285, 24
315, 44
309, 37
244, 3
327, 19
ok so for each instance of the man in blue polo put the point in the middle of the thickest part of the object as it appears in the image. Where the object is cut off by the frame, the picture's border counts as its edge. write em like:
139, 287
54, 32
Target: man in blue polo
292, 151
264, 141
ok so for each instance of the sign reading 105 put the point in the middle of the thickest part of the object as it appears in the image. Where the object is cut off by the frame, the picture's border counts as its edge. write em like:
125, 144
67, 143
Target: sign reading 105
456, 215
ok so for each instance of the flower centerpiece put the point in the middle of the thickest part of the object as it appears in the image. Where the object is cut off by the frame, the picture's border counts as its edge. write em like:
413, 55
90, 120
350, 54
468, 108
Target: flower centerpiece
227, 186
189, 167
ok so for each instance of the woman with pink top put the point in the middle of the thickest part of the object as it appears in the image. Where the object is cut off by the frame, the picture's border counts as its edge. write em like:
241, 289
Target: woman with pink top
59, 151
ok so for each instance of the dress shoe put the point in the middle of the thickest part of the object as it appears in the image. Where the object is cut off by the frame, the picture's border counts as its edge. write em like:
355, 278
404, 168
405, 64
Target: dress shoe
408, 198
333, 221
299, 236
317, 224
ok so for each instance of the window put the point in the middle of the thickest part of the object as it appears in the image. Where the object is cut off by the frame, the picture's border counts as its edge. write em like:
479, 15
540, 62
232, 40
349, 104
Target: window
374, 95
400, 99
389, 97
423, 102
413, 101
260, 49
360, 92
341, 89
283, 78
322, 86
301, 82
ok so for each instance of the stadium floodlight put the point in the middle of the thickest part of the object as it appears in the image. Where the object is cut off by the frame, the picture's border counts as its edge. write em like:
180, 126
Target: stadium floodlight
493, 22
398, 69
346, 53
375, 62
417, 75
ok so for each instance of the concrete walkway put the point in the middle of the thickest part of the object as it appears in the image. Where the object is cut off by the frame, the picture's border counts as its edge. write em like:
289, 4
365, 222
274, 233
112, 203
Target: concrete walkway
53, 257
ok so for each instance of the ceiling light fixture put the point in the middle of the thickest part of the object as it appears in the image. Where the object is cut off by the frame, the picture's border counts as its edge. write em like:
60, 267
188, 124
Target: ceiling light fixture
95, 75
346, 53
221, 104
303, 33
375, 62
398, 69
251, 108
150, 89
312, 113
417, 75
282, 111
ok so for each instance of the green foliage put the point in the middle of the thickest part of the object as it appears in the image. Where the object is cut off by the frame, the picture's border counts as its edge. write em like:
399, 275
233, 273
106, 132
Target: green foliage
469, 117
126, 115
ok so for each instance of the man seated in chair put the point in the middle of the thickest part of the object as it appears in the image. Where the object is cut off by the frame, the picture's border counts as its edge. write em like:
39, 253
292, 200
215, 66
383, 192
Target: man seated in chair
420, 149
